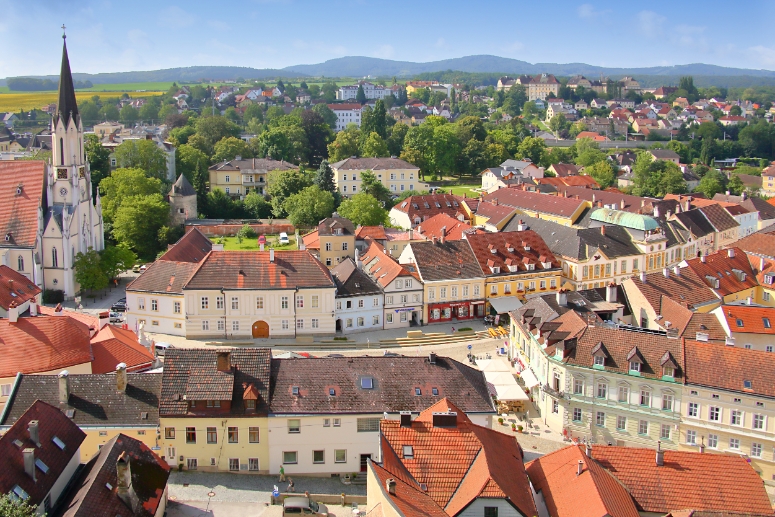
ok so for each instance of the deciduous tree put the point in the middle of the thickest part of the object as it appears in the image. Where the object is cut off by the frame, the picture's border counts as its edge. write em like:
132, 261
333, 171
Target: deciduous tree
145, 155
309, 207
374, 146
229, 148
99, 160
137, 223
125, 184
88, 271
364, 209
346, 144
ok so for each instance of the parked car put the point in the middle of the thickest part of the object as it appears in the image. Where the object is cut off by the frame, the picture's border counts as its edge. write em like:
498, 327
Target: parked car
116, 317
119, 306
136, 269
161, 348
143, 267
284, 238
303, 506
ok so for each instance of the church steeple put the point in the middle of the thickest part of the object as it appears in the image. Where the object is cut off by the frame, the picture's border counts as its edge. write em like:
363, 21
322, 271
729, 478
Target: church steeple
67, 106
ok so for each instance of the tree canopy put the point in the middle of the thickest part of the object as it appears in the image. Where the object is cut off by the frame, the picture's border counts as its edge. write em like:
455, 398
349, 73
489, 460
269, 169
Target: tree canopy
364, 209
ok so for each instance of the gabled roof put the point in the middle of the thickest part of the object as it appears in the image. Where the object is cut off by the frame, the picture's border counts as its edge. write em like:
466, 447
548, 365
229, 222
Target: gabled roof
565, 169
254, 270
462, 463
19, 211
593, 493
445, 261
409, 498
761, 243
15, 288
374, 164
745, 371
266, 164
192, 247
393, 380
327, 226
430, 205
494, 212
533, 201
91, 496
382, 267
674, 485
750, 319
733, 273
686, 288
509, 250
52, 424
454, 229
42, 344
93, 399
113, 345
664, 154
189, 370
351, 281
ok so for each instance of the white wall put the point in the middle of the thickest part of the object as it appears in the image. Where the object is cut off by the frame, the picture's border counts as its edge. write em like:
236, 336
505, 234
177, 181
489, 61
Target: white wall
164, 316
476, 509
367, 312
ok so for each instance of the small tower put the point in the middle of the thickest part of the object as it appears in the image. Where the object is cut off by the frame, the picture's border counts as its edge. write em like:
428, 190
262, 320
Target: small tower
182, 202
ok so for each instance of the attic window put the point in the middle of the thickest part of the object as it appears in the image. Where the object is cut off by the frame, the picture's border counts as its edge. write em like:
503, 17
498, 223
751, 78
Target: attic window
418, 391
42, 466
70, 413
426, 205
7, 237
144, 415
435, 391
59, 443
634, 366
367, 383
332, 392
18, 443
599, 360
454, 203
408, 452
739, 323
295, 390
438, 205
748, 385
403, 205
20, 493
766, 322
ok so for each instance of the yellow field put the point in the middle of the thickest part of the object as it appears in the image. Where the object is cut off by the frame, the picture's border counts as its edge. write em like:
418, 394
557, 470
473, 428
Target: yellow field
36, 100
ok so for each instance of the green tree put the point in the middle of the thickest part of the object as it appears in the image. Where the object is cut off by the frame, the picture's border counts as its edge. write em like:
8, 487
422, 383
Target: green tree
143, 154
180, 135
229, 148
167, 110
364, 209
114, 260
375, 188
257, 206
219, 205
375, 120
13, 507
324, 178
110, 112
531, 148
374, 146
283, 184
558, 123
656, 178
128, 114
137, 223
735, 185
602, 172
88, 272
418, 148
346, 144
360, 95
395, 141
309, 207
281, 143
99, 160
590, 156
149, 112
736, 111
192, 163
708, 151
758, 140
253, 112
214, 129
89, 111
125, 184
318, 135
327, 113
708, 130
712, 183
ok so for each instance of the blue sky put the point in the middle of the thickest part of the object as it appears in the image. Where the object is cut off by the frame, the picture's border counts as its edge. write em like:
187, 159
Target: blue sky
114, 36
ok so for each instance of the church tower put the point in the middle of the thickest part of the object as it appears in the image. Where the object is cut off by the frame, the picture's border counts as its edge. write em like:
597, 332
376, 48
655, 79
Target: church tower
73, 218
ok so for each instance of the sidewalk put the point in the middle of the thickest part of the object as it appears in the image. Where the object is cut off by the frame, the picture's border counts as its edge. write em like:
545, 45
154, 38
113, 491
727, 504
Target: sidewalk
103, 298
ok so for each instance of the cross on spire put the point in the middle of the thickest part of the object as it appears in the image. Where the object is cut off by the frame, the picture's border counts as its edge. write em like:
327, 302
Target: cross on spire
64, 36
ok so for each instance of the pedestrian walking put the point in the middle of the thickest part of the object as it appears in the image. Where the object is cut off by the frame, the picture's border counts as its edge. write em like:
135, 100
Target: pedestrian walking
291, 487
282, 473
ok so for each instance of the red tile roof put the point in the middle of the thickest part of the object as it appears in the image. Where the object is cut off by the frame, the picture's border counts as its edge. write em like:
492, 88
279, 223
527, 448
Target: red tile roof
113, 345
192, 247
382, 267
253, 270
512, 252
749, 319
15, 288
51, 423
453, 228
375, 232
534, 201
311, 240
19, 212
740, 365
373, 164
494, 212
734, 273
761, 243
686, 288
462, 463
593, 493
686, 480
42, 344
410, 500
93, 322
565, 169
430, 205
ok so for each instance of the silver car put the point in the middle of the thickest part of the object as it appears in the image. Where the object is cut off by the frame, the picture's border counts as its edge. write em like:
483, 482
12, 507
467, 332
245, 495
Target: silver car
303, 506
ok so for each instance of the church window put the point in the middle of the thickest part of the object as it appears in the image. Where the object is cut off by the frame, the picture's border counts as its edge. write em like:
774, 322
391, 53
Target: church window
54, 259
20, 263
61, 151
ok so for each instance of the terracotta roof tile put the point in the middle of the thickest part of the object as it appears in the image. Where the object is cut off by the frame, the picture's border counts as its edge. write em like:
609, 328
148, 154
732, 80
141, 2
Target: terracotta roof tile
15, 288
311, 240
328, 225
741, 366
565, 169
686, 288
533, 201
705, 323
674, 485
512, 250
51, 423
113, 345
42, 344
426, 207
382, 267
374, 164
192, 247
351, 281
375, 232
453, 228
761, 243
410, 500
452, 259
593, 493
733, 273
495, 213
19, 212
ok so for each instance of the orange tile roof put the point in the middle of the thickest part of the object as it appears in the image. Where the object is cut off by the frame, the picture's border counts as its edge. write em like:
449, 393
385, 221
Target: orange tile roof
593, 493
686, 480
311, 240
459, 464
87, 319
494, 212
542, 203
113, 345
42, 344
686, 288
454, 229
410, 500
375, 232
15, 288
740, 365
19, 212
761, 243
720, 265
750, 319
512, 249
375, 258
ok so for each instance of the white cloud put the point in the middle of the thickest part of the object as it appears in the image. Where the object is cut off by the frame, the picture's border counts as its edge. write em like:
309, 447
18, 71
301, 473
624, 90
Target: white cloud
650, 23
176, 17
766, 55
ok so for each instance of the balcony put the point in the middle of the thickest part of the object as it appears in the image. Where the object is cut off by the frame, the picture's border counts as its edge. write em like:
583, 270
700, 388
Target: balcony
553, 392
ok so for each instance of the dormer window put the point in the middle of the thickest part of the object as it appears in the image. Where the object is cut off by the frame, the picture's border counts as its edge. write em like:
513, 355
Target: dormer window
495, 269
418, 391
530, 267
668, 371
635, 366
599, 360
250, 404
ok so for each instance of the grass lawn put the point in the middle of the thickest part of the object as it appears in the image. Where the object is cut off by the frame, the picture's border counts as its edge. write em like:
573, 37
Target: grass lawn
464, 190
34, 100
231, 244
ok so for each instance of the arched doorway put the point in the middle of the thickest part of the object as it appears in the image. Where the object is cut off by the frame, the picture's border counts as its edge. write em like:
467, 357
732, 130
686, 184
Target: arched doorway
260, 329
338, 325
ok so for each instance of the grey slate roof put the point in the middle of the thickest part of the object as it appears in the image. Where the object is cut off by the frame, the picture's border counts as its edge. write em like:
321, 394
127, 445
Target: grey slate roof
351, 281
451, 260
94, 399
183, 187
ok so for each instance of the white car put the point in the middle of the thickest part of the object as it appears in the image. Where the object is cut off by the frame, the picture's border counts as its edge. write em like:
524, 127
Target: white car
116, 317
161, 348
284, 238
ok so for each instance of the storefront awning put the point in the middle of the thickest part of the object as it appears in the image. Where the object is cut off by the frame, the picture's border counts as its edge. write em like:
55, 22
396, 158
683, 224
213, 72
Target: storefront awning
505, 304
530, 379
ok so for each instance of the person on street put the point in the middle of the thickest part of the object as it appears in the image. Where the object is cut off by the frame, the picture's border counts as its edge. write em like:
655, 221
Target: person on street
291, 487
282, 473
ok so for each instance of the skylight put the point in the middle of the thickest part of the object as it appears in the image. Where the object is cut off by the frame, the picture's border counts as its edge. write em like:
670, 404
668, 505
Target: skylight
20, 493
59, 443
332, 392
747, 385
766, 322
295, 390
367, 383
408, 451
739, 322
42, 466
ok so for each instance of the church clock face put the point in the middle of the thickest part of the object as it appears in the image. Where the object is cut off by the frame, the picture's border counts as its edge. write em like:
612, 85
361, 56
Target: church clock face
63, 192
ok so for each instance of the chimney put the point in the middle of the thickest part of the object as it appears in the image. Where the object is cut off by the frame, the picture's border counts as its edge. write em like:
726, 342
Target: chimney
104, 319
271, 255
29, 462
411, 233
642, 203
589, 450
124, 489
622, 204
643, 276
121, 379
761, 264
580, 468
261, 247
432, 358
610, 293
676, 270
34, 307
593, 198
223, 361
602, 230
703, 258
744, 195
390, 484
656, 210
660, 454
678, 208
562, 297
702, 445
688, 205
731, 252
64, 386
34, 430
749, 300
666, 272
13, 313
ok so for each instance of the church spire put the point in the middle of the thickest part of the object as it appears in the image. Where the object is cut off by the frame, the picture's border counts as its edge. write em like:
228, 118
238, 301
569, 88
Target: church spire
67, 106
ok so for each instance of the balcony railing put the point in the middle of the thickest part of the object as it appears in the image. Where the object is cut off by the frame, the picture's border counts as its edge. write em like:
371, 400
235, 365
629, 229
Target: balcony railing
553, 392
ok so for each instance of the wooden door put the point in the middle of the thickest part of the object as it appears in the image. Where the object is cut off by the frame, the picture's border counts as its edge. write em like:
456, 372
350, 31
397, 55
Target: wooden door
260, 329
